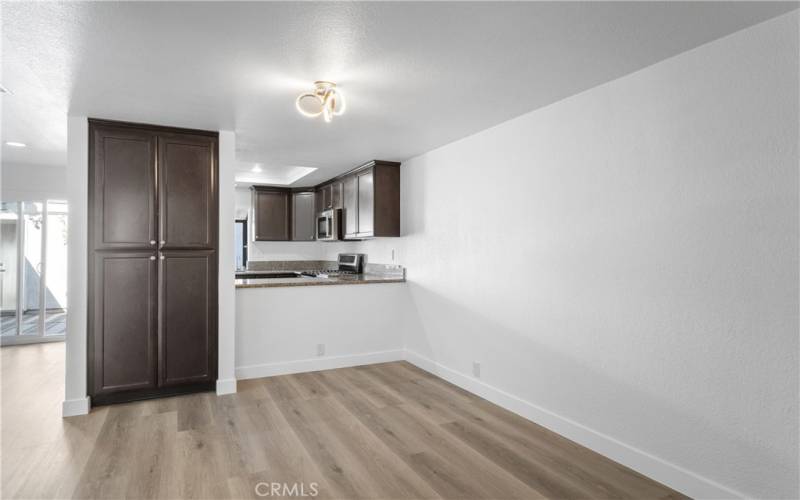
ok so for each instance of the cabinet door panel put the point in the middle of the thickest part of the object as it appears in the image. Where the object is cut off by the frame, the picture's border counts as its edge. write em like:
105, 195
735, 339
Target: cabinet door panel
271, 216
123, 204
187, 316
123, 319
366, 203
336, 194
303, 219
350, 206
327, 197
187, 187
386, 218
319, 201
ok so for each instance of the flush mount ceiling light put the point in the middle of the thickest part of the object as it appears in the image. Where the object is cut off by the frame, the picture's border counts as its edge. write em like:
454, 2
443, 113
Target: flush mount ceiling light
324, 100
16, 144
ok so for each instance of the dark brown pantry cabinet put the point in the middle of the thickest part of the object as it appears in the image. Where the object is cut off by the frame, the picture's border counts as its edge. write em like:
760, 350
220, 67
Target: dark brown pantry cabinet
153, 227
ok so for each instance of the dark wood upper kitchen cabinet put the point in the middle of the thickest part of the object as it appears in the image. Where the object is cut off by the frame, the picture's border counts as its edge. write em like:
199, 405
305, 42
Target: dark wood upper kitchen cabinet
320, 201
369, 197
365, 186
329, 196
303, 216
350, 207
372, 200
153, 258
271, 214
337, 196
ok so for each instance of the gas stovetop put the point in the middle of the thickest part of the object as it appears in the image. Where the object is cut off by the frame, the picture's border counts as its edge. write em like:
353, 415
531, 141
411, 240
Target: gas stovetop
327, 273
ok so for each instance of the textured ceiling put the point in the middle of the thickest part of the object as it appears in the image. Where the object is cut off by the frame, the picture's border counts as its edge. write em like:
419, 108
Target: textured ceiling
416, 75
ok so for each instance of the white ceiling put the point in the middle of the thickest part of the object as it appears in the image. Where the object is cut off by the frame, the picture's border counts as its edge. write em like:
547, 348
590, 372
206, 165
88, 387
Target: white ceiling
416, 75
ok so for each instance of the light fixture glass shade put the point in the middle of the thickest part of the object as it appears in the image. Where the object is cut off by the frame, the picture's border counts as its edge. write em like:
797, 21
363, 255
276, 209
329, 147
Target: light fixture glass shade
325, 100
309, 105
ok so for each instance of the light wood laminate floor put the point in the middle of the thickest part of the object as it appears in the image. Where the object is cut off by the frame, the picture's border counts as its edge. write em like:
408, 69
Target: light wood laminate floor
381, 431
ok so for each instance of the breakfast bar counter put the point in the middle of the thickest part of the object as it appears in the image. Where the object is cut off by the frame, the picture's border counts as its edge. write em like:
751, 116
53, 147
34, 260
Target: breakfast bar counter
346, 279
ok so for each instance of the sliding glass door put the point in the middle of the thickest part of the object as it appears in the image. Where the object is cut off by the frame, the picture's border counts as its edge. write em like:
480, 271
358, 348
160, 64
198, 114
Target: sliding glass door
9, 268
34, 271
55, 258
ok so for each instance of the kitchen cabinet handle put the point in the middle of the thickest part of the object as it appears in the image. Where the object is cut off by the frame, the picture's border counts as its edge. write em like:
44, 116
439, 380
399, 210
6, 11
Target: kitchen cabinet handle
163, 242
162, 257
152, 257
152, 242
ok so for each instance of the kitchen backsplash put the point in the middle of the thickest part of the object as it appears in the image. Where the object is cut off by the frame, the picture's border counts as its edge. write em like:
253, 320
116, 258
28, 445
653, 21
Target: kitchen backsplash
383, 250
317, 265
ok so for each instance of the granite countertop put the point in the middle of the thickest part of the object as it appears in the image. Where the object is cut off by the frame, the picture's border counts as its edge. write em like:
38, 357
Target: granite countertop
348, 279
375, 273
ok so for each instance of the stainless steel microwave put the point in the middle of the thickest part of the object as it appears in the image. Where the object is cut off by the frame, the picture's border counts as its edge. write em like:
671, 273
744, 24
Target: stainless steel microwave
329, 225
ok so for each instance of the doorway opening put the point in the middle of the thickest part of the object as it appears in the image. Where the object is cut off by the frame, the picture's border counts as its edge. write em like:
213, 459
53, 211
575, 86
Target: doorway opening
33, 271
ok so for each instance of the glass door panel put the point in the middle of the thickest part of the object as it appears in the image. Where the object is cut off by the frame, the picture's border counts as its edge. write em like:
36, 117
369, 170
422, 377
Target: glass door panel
33, 271
240, 240
33, 265
55, 275
9, 267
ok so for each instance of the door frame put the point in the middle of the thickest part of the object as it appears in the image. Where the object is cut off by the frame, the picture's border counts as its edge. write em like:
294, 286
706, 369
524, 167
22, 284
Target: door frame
246, 241
39, 337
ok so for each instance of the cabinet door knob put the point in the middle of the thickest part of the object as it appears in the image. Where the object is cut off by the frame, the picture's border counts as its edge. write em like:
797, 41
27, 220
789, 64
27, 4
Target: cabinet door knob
162, 257
152, 242
152, 257
163, 242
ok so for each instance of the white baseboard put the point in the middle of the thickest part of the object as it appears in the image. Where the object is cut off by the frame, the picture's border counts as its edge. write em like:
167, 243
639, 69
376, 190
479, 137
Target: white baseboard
651, 466
316, 364
226, 386
73, 407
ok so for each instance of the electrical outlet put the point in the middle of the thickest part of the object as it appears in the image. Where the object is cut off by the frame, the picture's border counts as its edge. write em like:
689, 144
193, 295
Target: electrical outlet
320, 349
476, 369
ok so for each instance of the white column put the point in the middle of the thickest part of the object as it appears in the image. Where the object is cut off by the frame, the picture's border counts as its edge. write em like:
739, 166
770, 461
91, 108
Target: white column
226, 377
76, 400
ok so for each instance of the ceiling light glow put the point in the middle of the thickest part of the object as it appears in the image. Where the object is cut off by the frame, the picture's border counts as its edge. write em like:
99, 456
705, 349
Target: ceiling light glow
256, 169
325, 100
16, 144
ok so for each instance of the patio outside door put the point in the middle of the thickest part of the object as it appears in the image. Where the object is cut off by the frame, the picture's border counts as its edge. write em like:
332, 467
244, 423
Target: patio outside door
33, 271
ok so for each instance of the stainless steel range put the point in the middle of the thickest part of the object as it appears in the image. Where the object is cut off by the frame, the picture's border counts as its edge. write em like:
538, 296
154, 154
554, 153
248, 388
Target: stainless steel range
347, 263
351, 262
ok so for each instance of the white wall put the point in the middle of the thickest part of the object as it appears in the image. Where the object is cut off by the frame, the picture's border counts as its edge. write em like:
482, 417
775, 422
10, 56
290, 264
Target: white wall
76, 401
626, 262
278, 329
32, 182
226, 290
